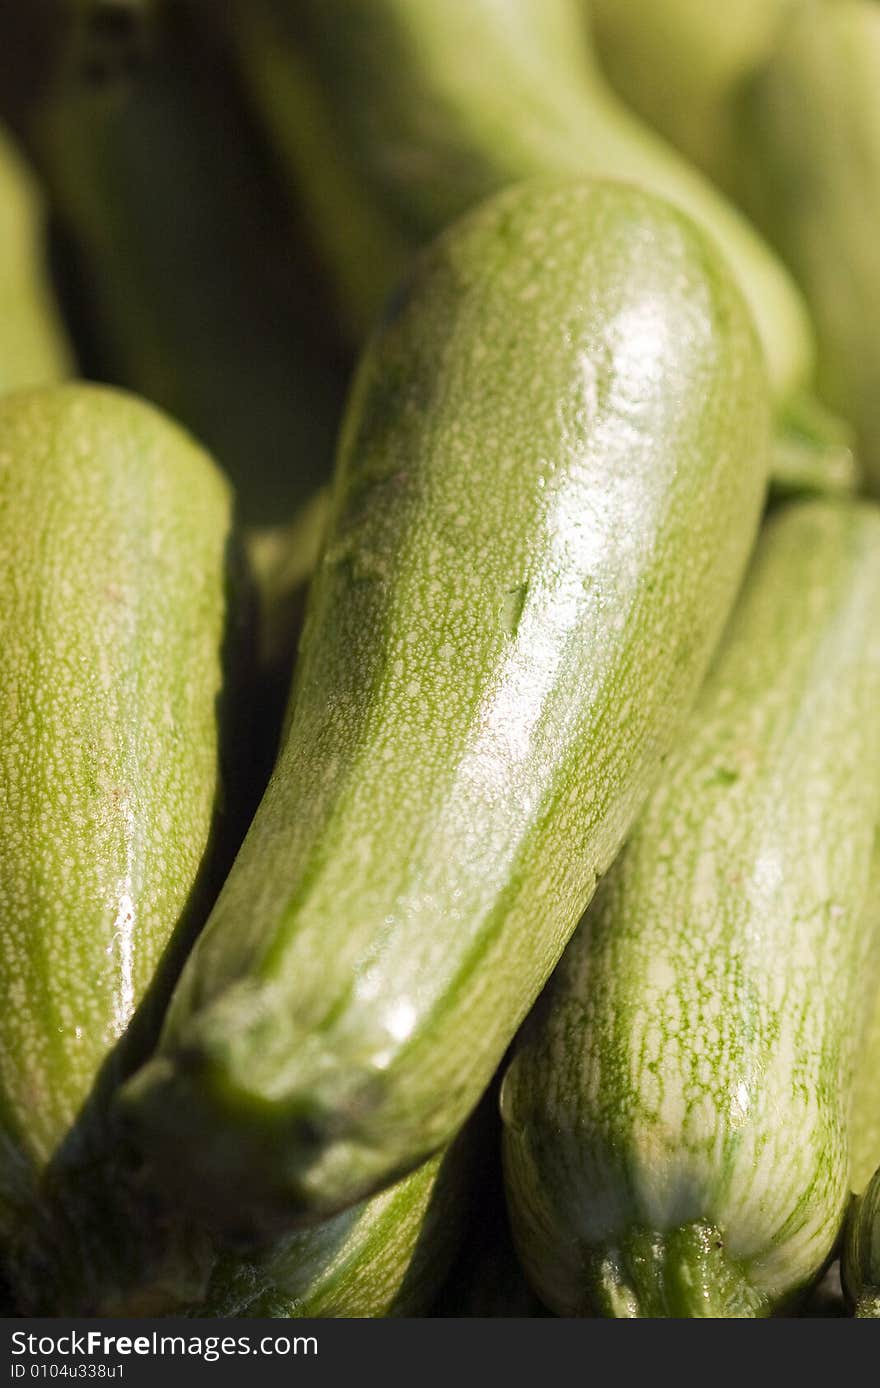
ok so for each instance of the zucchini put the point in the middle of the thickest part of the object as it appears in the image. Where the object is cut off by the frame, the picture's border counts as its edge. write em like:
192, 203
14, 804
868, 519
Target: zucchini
861, 1257
385, 1257
676, 1110
778, 101
114, 532
681, 63
187, 282
395, 117
809, 130
549, 479
33, 347
865, 1121
860, 1265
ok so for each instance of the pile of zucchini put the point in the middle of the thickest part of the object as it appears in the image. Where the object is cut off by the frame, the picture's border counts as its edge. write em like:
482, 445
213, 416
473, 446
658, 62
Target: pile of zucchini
440, 608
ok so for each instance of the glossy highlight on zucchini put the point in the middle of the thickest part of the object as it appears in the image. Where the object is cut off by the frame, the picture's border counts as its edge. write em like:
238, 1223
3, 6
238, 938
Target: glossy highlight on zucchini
676, 1110
549, 480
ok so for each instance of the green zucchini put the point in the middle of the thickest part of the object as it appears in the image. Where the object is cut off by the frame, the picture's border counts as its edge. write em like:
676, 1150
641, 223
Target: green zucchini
676, 1110
385, 1257
861, 1258
114, 539
681, 63
860, 1265
865, 1120
549, 479
188, 282
809, 130
397, 116
33, 347
778, 101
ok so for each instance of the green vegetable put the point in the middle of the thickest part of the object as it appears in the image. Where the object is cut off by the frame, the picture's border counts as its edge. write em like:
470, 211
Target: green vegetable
33, 350
814, 453
114, 530
861, 1254
861, 1260
385, 1257
810, 160
396, 116
676, 1110
865, 1120
188, 281
549, 479
780, 101
681, 63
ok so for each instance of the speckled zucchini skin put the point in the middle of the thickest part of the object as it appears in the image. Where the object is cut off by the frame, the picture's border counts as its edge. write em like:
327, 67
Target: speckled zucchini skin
549, 478
676, 1110
33, 347
397, 116
114, 529
385, 1257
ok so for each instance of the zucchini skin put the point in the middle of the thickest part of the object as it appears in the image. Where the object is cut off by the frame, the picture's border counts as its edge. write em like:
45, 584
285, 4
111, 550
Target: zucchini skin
188, 284
387, 1256
114, 531
865, 1119
860, 1261
549, 479
33, 347
778, 101
676, 1109
397, 117
680, 65
808, 126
